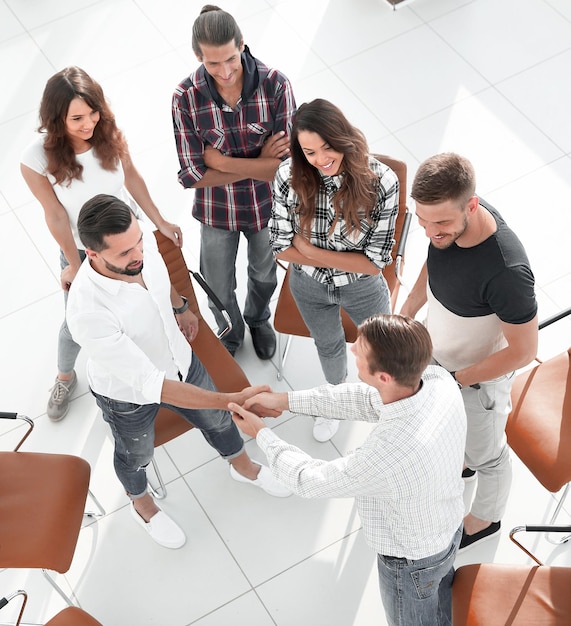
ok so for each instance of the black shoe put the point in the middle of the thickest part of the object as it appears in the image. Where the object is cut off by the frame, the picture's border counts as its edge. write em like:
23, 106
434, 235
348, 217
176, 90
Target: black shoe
468, 475
470, 540
264, 340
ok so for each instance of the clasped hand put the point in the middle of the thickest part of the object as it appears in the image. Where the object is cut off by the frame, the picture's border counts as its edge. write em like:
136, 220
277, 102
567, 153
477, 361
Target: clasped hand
248, 415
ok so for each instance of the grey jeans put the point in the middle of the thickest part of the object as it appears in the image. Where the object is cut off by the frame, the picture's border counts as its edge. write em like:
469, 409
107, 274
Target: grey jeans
319, 306
487, 450
67, 349
218, 250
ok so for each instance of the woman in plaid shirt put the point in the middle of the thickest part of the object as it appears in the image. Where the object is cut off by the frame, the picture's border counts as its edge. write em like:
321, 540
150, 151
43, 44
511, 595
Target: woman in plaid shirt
333, 218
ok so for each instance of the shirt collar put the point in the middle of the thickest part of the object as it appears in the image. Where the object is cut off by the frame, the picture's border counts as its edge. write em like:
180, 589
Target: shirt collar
111, 285
332, 184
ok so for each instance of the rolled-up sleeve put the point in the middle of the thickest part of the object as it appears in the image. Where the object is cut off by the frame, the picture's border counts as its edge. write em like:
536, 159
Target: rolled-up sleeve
189, 145
281, 228
380, 241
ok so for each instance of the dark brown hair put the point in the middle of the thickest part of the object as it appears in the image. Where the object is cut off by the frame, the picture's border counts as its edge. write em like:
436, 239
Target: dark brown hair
107, 141
358, 193
214, 27
101, 216
398, 345
446, 176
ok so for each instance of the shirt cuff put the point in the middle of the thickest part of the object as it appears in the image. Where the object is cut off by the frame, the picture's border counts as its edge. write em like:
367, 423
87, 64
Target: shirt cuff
265, 437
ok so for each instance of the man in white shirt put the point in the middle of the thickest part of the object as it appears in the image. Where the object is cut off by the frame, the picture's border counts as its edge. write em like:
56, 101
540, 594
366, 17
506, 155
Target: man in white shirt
405, 476
135, 329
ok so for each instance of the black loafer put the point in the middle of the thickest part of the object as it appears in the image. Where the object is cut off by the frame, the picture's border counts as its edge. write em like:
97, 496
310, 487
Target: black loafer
264, 340
470, 540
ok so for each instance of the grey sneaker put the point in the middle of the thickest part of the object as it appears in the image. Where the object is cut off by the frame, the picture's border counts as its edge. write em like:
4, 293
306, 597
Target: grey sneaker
60, 393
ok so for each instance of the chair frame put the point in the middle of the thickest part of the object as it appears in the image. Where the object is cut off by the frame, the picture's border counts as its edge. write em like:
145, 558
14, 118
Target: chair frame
403, 223
90, 514
160, 492
169, 424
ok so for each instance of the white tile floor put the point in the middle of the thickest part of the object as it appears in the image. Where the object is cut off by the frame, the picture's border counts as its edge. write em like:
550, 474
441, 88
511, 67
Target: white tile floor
481, 77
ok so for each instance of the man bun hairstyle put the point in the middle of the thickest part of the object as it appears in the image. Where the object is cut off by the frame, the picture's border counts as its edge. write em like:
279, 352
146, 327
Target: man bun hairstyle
101, 216
214, 27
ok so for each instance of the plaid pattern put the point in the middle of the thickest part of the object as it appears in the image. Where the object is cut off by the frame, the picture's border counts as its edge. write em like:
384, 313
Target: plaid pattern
375, 239
200, 118
406, 476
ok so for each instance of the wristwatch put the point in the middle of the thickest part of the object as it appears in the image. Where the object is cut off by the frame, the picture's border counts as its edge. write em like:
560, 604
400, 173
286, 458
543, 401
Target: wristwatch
181, 309
453, 374
474, 386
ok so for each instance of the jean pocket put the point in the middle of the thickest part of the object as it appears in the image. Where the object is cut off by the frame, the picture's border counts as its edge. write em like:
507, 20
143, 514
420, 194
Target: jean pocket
122, 409
426, 580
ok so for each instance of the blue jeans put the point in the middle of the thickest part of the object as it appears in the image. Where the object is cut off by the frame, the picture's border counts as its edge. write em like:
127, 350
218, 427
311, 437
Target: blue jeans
67, 349
218, 250
418, 592
133, 428
319, 306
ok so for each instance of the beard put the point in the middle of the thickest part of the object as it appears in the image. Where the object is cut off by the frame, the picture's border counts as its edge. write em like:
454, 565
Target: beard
124, 271
451, 238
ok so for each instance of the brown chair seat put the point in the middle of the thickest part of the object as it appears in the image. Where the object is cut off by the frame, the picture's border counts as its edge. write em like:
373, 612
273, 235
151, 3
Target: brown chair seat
539, 426
42, 502
494, 594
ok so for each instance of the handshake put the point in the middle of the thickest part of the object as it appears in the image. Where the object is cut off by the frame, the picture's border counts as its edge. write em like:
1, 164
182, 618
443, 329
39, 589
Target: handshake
252, 404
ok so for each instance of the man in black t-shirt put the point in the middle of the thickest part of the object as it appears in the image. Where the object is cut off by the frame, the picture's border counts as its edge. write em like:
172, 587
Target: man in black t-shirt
482, 318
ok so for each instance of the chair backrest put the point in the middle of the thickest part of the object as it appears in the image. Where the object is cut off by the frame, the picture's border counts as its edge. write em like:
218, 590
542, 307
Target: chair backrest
496, 594
221, 366
539, 426
287, 318
42, 501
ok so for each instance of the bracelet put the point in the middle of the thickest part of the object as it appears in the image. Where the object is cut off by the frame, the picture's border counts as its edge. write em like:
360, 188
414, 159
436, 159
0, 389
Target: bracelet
181, 309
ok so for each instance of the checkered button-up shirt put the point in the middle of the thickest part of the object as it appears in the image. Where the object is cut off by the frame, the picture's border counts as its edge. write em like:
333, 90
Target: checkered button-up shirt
405, 477
375, 237
201, 118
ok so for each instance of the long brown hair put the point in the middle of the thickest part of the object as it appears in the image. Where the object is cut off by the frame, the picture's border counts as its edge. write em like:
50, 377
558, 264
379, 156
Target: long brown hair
357, 196
108, 141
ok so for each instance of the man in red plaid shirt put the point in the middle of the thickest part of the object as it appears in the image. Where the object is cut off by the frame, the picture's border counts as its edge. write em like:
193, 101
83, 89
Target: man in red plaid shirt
232, 118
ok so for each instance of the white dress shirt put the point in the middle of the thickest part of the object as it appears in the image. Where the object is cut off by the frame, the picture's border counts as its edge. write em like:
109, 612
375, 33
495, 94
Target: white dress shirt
129, 333
406, 476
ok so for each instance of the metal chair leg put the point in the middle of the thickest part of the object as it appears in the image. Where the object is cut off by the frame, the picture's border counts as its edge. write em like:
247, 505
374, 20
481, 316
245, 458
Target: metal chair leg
282, 355
61, 592
160, 492
555, 515
101, 510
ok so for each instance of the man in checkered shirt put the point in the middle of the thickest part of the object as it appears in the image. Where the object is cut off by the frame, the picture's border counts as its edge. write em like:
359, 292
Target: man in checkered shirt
405, 477
232, 119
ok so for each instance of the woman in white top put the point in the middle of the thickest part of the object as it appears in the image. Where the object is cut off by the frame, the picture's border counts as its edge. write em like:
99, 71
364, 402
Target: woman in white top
79, 154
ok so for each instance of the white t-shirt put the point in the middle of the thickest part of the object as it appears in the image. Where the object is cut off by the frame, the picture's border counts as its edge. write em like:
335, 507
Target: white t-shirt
73, 196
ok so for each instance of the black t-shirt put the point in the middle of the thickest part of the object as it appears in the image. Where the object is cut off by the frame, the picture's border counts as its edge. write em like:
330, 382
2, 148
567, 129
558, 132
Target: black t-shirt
492, 277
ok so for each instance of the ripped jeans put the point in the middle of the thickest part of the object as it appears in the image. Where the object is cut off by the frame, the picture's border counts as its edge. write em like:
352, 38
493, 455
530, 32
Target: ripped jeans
133, 428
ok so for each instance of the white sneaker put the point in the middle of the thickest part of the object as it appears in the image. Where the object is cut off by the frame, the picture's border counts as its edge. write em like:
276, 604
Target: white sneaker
265, 481
324, 429
161, 529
